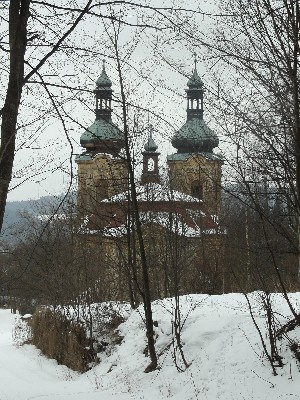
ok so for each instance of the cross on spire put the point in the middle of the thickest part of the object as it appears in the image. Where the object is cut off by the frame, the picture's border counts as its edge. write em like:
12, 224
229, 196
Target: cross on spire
150, 131
195, 60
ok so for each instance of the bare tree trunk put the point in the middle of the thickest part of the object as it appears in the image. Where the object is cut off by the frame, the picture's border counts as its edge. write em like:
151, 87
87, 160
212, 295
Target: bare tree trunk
146, 284
18, 17
19, 12
295, 87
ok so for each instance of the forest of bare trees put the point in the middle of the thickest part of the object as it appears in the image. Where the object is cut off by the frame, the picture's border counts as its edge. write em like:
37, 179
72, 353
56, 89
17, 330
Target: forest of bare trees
252, 54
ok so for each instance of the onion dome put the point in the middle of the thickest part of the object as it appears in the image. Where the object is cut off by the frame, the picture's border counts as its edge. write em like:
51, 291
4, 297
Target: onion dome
195, 81
103, 82
150, 145
195, 136
103, 136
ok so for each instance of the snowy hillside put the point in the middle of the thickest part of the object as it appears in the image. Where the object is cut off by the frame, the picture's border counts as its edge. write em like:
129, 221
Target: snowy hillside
219, 340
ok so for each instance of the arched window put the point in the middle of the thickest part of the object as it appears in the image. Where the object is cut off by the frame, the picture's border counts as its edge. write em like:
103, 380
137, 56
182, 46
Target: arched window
150, 164
197, 190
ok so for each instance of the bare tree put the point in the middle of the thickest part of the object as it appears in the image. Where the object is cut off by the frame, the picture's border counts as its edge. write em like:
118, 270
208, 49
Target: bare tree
261, 113
35, 53
20, 19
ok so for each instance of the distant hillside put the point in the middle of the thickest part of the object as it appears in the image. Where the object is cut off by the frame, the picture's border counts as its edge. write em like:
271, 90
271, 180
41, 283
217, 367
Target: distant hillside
14, 209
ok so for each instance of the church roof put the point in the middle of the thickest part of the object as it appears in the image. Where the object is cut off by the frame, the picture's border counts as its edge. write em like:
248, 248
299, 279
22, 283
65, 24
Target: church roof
194, 137
180, 225
185, 156
101, 130
93, 154
86, 156
184, 222
172, 210
155, 192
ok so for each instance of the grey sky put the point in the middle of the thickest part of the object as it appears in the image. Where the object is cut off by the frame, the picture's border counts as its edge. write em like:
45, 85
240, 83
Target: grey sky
42, 164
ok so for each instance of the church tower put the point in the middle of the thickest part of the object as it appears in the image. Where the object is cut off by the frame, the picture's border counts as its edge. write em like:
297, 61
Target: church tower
150, 173
194, 169
102, 173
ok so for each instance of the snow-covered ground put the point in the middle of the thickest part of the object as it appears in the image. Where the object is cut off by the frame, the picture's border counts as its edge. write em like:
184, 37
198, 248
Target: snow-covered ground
219, 341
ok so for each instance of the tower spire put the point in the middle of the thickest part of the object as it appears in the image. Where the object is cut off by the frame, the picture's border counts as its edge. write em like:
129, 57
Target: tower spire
150, 172
195, 94
195, 136
103, 136
150, 132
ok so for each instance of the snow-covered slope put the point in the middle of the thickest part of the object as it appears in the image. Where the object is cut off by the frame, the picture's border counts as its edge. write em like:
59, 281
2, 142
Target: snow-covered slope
219, 340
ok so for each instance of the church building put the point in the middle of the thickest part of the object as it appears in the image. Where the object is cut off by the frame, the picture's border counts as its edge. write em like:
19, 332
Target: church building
181, 232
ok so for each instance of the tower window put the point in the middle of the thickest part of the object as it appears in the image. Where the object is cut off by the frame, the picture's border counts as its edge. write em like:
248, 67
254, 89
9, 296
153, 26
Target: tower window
150, 164
197, 190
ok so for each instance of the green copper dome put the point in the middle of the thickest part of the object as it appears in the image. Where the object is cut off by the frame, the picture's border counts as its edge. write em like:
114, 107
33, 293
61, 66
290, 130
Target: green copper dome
195, 81
150, 145
101, 130
194, 137
103, 82
102, 133
103, 136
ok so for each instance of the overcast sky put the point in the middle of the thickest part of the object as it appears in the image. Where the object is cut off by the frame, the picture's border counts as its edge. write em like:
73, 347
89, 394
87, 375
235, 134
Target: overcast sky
155, 72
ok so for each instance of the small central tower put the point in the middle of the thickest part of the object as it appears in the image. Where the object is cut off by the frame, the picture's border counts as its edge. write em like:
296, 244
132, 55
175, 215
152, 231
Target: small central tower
150, 172
194, 169
102, 173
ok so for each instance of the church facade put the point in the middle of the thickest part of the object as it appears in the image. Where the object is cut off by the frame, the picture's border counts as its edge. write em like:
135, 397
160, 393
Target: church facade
181, 233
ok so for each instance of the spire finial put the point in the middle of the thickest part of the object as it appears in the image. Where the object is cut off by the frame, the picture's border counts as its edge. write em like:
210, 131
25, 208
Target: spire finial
150, 130
195, 80
103, 64
195, 60
150, 144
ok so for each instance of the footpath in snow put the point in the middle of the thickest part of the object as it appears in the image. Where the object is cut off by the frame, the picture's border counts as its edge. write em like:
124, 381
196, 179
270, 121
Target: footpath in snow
219, 341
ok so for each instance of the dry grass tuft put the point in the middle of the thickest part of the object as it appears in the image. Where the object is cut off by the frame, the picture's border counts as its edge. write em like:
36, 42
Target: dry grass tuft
62, 339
